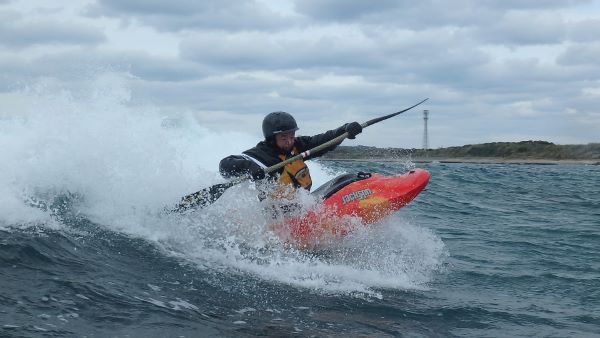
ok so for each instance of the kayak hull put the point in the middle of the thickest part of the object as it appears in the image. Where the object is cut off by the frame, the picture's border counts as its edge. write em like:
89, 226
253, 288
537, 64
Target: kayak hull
361, 202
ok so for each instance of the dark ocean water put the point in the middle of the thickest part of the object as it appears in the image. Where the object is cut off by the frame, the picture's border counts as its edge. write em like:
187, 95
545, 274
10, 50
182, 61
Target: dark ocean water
484, 251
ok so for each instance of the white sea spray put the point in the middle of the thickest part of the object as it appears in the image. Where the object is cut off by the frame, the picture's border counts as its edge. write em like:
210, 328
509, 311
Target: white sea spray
91, 152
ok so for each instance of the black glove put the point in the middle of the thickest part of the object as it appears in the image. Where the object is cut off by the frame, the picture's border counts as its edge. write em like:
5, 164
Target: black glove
353, 129
257, 173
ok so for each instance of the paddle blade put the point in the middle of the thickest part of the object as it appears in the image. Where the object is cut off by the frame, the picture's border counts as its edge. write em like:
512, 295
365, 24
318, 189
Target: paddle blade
379, 119
202, 198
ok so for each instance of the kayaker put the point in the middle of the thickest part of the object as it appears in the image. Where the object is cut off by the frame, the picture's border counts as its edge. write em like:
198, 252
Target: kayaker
280, 143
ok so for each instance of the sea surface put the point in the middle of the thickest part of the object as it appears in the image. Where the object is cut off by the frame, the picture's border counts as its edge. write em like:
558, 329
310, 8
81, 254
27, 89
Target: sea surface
87, 248
486, 250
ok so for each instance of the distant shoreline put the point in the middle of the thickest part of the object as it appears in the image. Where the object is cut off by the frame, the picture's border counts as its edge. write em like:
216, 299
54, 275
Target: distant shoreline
524, 152
486, 160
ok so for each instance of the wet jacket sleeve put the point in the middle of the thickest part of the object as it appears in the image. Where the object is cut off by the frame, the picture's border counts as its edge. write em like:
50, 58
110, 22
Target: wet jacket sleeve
309, 142
236, 165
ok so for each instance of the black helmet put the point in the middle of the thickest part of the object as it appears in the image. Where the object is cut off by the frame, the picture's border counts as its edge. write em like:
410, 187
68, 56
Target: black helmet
278, 122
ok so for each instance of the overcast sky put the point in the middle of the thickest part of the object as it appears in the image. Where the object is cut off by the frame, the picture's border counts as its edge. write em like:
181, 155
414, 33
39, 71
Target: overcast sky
494, 70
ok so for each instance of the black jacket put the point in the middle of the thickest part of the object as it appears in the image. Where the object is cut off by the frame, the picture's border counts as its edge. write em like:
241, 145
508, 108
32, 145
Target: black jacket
268, 153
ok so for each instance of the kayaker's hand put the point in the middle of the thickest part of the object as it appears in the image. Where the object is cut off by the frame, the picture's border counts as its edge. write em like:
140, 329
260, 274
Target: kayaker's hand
353, 129
257, 173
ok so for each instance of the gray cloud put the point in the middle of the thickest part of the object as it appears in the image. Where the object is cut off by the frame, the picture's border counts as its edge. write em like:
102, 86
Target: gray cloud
525, 28
17, 31
79, 66
494, 70
340, 10
585, 31
160, 69
510, 23
243, 51
400, 14
253, 73
190, 14
437, 56
405, 13
529, 4
581, 54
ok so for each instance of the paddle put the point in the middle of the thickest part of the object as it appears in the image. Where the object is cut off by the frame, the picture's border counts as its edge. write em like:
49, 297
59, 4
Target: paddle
209, 195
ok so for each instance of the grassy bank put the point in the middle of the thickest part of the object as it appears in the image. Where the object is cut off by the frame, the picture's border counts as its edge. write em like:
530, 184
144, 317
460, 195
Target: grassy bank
540, 152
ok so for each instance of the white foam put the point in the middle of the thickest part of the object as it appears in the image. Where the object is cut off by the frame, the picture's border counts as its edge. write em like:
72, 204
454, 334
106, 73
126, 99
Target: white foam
127, 162
182, 304
392, 255
119, 158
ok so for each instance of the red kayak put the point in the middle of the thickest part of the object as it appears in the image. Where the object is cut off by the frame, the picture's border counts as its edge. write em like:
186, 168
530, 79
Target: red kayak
349, 200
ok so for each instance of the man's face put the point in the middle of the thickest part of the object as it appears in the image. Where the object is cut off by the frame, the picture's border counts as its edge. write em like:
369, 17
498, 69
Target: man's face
285, 140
